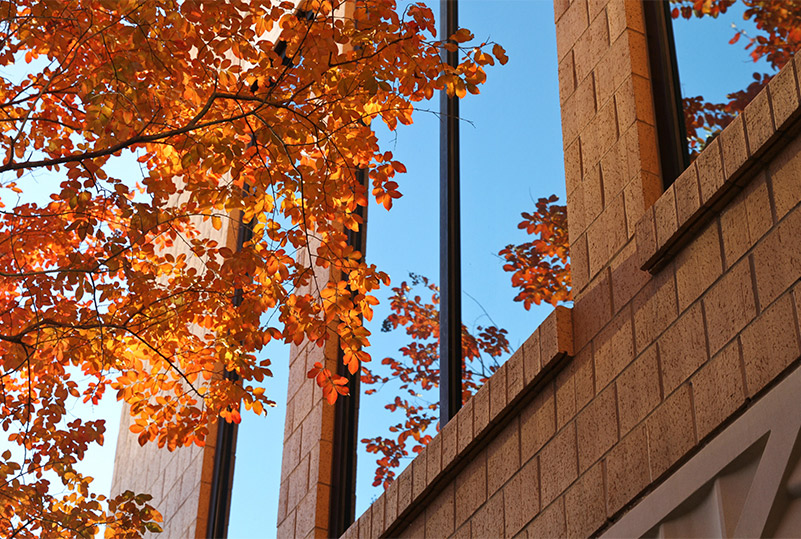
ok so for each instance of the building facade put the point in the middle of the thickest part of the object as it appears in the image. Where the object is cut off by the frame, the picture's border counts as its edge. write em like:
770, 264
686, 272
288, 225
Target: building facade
665, 402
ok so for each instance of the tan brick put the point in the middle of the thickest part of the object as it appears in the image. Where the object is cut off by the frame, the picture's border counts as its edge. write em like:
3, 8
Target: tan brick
640, 194
434, 457
627, 470
503, 457
593, 194
785, 176
556, 334
580, 264
614, 217
289, 419
283, 490
550, 523
298, 483
592, 310
559, 8
514, 375
757, 205
645, 237
598, 246
450, 441
565, 385
682, 348
304, 400
643, 156
415, 530
290, 457
784, 96
570, 26
576, 212
614, 349
718, 389
286, 528
537, 422
698, 265
688, 194
670, 431
320, 466
734, 230
759, 121
531, 357
638, 390
627, 277
573, 172
419, 479
615, 169
578, 110
558, 466
592, 42
625, 14
497, 387
626, 106
769, 344
599, 136
521, 499
463, 532
366, 525
585, 506
710, 172
311, 433
404, 481
597, 428
640, 63
729, 306
596, 8
481, 409
465, 425
471, 488
665, 216
734, 148
583, 366
613, 68
778, 259
378, 524
488, 520
440, 514
634, 102
391, 503
567, 77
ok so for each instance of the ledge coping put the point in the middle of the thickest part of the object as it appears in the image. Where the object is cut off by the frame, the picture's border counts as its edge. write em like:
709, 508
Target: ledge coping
510, 388
721, 170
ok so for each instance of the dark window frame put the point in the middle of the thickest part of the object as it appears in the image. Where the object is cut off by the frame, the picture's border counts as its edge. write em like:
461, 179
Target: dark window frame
671, 132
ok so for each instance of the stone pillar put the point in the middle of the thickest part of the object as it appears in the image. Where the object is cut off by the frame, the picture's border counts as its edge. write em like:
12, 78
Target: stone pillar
303, 505
608, 129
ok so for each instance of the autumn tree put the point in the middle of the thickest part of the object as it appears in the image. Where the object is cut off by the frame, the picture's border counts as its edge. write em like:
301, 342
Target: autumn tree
237, 111
778, 36
540, 270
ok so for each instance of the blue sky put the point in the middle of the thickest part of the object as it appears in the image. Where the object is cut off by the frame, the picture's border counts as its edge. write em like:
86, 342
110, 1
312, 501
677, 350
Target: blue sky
511, 155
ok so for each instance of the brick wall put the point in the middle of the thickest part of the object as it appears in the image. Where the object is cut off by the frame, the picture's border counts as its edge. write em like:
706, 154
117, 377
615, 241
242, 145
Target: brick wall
305, 489
686, 311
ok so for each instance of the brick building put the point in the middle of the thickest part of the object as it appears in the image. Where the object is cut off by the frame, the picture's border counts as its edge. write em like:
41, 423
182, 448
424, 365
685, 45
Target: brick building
665, 402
